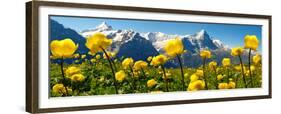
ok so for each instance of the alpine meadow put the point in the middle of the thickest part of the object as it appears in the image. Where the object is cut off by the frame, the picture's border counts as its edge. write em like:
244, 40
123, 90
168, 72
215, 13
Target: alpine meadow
99, 56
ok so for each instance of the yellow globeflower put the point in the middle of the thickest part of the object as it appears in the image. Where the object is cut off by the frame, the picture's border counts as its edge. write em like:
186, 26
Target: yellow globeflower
53, 57
223, 86
219, 77
231, 85
237, 51
168, 76
151, 83
128, 62
253, 68
101, 78
76, 55
251, 42
205, 54
257, 59
113, 54
159, 60
77, 77
98, 56
238, 67
93, 60
185, 75
120, 76
247, 73
218, 69
174, 47
196, 85
83, 56
199, 73
193, 77
90, 53
63, 48
226, 62
72, 70
110, 54
140, 65
59, 88
97, 42
213, 65
149, 58
136, 73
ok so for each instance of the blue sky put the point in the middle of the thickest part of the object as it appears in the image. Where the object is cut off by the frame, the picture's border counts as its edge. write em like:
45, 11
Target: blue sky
230, 34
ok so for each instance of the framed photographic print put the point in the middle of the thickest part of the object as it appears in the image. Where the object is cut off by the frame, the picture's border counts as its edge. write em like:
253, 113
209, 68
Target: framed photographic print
86, 56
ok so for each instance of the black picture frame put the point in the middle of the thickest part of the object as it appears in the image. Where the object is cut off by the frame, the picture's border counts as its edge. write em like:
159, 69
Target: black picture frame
32, 51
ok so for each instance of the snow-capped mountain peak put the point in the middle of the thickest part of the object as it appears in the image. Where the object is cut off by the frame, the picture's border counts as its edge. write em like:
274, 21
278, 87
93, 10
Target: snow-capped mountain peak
157, 36
140, 45
195, 42
218, 43
201, 35
158, 39
121, 35
103, 26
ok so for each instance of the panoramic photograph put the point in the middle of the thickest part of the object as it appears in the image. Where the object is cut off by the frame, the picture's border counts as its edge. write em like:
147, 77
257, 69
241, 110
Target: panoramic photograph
108, 56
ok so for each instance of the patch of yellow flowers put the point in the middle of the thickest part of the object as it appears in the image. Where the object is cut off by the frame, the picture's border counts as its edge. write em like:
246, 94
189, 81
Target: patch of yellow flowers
60, 89
98, 43
128, 62
205, 54
174, 47
74, 74
151, 83
140, 65
230, 85
237, 51
251, 42
196, 85
226, 62
257, 59
63, 48
120, 75
159, 60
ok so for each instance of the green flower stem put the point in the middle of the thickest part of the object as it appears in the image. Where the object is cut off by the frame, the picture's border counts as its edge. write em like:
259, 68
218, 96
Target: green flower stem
143, 73
166, 79
204, 73
80, 58
114, 65
112, 70
228, 74
144, 77
236, 81
242, 69
93, 73
250, 72
182, 75
63, 77
215, 70
133, 78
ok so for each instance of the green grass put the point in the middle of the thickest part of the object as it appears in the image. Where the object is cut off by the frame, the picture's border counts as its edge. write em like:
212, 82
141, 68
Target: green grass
99, 79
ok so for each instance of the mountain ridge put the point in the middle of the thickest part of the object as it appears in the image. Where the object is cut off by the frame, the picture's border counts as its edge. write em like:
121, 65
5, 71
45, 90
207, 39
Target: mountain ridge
200, 40
139, 46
